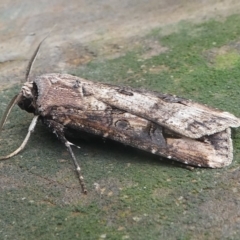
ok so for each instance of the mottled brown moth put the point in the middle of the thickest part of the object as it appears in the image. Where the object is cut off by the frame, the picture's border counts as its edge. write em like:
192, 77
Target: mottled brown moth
162, 124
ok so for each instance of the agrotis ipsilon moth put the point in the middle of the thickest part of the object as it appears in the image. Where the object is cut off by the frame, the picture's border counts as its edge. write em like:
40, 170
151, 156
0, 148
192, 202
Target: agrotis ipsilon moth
162, 124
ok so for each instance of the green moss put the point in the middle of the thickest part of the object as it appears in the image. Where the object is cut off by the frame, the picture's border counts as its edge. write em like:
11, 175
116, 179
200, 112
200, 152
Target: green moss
227, 60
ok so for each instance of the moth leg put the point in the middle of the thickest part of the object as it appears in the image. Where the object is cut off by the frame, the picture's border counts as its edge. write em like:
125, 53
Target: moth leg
78, 169
58, 129
24, 143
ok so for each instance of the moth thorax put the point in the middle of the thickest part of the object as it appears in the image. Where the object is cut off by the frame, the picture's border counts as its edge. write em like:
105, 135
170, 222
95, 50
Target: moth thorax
27, 90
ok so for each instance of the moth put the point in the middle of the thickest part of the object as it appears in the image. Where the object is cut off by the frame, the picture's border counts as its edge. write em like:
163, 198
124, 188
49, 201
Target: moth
162, 124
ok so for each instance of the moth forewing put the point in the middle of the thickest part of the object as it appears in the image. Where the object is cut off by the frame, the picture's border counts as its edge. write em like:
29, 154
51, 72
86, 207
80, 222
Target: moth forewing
180, 115
162, 124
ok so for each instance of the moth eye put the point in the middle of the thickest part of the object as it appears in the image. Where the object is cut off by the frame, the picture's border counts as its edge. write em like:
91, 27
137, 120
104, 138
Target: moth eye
122, 124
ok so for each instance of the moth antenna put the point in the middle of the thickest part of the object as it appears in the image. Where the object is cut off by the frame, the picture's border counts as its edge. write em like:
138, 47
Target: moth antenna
34, 56
32, 60
30, 130
12, 103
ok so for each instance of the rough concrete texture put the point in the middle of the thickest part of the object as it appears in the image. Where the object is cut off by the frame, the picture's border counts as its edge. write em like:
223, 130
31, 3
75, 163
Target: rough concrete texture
24, 23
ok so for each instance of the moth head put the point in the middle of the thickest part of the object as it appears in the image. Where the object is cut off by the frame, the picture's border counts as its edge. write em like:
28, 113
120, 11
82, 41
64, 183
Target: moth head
25, 98
27, 101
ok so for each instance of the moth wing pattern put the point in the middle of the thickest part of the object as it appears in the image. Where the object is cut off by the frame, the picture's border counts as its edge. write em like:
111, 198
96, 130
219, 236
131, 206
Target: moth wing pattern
162, 124
182, 116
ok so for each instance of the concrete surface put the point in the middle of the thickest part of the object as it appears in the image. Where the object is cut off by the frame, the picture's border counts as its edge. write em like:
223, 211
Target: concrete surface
79, 22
